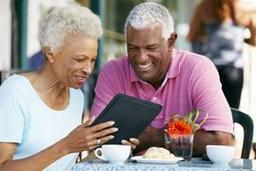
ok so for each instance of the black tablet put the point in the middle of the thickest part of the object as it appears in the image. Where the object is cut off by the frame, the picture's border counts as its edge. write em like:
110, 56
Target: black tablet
131, 115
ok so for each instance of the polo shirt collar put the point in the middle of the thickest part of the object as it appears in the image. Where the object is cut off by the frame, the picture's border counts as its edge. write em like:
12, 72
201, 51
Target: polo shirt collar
133, 76
174, 69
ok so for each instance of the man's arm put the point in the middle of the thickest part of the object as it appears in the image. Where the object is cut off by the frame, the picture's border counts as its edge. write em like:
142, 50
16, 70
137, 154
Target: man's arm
203, 138
207, 96
155, 137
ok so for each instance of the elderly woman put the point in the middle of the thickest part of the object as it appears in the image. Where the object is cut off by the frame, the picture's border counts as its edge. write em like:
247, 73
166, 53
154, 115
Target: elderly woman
41, 111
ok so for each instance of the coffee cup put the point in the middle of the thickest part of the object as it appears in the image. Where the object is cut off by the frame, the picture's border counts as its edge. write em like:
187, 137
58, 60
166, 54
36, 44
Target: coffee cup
114, 153
220, 154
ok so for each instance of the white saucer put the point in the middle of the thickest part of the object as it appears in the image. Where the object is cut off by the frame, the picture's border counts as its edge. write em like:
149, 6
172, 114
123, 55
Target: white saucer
140, 159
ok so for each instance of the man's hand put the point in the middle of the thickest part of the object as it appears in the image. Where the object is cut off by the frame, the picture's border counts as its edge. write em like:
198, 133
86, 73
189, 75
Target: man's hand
133, 142
150, 137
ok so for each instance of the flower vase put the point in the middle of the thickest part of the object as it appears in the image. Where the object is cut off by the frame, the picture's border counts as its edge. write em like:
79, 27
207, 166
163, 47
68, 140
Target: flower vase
181, 145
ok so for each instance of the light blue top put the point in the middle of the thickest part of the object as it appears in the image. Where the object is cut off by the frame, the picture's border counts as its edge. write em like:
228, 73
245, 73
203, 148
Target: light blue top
25, 119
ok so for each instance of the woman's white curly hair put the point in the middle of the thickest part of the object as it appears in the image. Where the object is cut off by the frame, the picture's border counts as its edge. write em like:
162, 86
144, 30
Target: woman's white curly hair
66, 20
147, 13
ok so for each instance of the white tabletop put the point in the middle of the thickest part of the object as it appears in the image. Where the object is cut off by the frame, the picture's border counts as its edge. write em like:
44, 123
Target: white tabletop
194, 164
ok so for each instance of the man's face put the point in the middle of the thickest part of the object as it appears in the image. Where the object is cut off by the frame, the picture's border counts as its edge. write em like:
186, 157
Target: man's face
149, 53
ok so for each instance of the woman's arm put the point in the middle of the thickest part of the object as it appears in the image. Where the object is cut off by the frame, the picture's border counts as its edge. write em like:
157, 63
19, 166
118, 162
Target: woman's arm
35, 162
80, 139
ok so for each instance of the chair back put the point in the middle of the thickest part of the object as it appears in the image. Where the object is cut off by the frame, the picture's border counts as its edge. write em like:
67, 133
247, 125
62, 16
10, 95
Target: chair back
247, 123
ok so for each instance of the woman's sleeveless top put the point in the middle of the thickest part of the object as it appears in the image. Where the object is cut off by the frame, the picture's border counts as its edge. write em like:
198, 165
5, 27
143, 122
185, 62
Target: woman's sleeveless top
223, 45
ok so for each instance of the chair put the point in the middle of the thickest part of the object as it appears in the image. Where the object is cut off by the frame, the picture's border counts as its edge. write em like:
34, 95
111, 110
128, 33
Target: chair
247, 123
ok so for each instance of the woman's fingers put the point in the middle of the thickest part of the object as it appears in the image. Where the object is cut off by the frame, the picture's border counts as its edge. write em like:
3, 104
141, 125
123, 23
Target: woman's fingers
98, 142
101, 126
103, 136
98, 134
92, 147
105, 139
105, 132
86, 137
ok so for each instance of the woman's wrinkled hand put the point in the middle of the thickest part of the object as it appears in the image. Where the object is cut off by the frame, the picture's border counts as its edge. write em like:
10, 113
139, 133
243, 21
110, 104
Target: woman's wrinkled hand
133, 142
86, 138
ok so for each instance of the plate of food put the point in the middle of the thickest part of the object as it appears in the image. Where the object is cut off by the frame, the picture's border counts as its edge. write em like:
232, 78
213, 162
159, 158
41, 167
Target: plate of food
157, 155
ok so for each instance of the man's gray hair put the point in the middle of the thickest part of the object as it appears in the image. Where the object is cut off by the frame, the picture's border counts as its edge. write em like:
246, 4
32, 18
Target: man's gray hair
68, 20
147, 13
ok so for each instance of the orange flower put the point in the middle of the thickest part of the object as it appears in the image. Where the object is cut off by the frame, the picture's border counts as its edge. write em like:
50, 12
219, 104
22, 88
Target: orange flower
179, 127
186, 125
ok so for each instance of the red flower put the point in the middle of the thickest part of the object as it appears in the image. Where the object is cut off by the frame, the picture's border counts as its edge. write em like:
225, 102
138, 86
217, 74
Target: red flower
179, 127
186, 125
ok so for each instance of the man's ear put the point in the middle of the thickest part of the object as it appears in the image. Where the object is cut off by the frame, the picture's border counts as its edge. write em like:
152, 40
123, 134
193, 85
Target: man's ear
48, 53
172, 40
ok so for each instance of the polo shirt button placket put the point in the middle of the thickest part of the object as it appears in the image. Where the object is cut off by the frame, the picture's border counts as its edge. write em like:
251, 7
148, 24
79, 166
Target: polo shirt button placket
154, 99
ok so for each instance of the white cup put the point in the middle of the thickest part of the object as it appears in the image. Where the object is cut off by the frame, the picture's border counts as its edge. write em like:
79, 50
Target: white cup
114, 153
220, 154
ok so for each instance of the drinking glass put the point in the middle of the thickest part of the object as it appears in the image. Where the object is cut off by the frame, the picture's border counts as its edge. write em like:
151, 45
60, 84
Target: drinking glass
181, 145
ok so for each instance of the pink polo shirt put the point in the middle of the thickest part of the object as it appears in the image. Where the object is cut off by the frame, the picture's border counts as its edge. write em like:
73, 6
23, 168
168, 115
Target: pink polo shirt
192, 82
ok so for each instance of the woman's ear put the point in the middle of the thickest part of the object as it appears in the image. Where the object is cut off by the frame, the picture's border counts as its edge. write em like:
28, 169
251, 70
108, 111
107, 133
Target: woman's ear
48, 53
172, 39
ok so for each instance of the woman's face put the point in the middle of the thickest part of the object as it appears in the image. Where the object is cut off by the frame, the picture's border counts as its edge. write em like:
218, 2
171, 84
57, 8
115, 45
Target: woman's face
75, 60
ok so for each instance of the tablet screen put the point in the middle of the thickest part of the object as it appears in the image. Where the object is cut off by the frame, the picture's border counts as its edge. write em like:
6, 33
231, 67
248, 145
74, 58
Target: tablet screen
131, 115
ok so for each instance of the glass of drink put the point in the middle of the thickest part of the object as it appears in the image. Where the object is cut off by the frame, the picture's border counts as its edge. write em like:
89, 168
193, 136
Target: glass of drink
181, 145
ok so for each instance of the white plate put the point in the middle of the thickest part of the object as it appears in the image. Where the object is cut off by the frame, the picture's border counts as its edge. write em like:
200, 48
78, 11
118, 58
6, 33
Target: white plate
140, 159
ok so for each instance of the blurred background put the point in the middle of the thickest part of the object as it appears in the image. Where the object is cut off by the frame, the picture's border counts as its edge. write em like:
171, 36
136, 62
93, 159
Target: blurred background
19, 41
19, 26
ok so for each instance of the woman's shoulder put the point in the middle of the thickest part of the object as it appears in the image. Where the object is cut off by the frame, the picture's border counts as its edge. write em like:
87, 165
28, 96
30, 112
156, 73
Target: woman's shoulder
15, 87
15, 82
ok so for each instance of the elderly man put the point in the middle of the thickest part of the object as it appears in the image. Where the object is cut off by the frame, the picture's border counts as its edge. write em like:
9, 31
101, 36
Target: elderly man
178, 80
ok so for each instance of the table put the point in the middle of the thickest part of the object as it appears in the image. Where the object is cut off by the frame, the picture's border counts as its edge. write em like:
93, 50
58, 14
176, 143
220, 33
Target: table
195, 164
